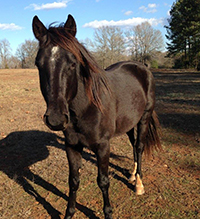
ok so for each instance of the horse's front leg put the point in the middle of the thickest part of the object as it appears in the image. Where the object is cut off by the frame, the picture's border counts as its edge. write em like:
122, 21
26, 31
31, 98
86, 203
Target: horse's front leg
74, 155
103, 154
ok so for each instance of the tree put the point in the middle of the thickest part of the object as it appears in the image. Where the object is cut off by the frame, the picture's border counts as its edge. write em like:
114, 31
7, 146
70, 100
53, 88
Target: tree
5, 53
13, 62
26, 53
183, 31
143, 42
88, 44
108, 45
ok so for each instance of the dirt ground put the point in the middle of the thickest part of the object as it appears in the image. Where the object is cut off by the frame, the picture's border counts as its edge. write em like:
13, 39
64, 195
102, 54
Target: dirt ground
34, 168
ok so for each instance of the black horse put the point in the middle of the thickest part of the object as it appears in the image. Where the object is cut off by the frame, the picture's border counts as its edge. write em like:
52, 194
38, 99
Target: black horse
91, 105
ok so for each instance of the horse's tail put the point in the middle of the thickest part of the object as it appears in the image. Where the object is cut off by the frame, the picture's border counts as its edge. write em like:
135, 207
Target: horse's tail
152, 138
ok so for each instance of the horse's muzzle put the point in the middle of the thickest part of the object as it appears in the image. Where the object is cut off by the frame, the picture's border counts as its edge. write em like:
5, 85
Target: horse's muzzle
56, 122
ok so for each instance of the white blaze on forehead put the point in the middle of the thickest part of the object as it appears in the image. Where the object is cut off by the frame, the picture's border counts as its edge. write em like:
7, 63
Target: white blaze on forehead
54, 51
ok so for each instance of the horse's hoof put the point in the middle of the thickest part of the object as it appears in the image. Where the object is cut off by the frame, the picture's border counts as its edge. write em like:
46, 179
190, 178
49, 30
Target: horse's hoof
139, 186
140, 190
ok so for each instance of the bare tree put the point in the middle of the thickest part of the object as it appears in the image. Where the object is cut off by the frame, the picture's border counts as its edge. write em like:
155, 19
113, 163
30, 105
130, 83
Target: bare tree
5, 53
144, 41
108, 45
13, 62
88, 44
26, 53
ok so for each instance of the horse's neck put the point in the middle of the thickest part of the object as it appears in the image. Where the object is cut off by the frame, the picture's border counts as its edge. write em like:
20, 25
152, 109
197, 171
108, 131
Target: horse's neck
81, 101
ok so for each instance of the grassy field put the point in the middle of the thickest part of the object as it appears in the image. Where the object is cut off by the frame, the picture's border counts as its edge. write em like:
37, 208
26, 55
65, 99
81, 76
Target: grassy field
34, 168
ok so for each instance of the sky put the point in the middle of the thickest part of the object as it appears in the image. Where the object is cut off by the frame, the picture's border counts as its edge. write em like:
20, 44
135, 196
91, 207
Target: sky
16, 16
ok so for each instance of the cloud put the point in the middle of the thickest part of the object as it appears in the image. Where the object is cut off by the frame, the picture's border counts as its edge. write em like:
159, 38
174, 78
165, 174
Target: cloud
10, 26
49, 6
125, 23
151, 8
152, 5
128, 13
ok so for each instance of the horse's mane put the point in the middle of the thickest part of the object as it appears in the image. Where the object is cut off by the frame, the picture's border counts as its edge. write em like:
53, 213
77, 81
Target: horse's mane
93, 76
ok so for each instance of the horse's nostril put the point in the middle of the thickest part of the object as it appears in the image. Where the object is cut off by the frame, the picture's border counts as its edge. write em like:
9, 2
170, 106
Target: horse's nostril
56, 122
67, 118
46, 120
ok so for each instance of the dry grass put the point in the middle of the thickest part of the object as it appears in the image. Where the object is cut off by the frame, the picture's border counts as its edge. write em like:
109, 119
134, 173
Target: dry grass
34, 168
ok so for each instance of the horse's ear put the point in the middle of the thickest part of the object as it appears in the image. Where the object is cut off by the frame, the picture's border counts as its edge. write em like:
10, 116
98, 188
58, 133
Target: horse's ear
39, 29
70, 25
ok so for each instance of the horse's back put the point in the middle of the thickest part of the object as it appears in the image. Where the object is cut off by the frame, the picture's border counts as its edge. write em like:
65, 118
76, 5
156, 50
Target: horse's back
135, 69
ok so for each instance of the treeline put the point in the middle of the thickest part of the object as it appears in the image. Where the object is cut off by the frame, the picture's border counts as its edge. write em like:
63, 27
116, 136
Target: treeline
110, 44
141, 43
183, 33
24, 57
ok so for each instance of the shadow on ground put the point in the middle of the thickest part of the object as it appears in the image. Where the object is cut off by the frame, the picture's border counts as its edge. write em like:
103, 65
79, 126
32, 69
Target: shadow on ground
177, 96
19, 150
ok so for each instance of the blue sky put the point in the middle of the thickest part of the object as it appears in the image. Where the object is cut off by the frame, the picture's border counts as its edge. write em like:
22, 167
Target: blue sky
16, 16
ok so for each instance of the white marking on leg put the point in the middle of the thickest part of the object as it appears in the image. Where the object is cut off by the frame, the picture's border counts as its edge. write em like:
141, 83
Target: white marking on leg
132, 177
139, 186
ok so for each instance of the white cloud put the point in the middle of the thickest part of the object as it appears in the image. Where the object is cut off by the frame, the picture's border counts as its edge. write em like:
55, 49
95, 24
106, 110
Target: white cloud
10, 26
126, 23
49, 6
143, 8
128, 12
151, 8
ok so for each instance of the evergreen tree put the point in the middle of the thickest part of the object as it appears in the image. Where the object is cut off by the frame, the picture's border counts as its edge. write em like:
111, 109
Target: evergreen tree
183, 31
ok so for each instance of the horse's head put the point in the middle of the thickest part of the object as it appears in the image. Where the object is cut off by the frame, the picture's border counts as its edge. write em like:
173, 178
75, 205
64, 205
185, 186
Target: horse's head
58, 69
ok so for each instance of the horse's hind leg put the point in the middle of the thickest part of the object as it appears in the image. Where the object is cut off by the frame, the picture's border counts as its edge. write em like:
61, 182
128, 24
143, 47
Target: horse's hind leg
142, 132
131, 135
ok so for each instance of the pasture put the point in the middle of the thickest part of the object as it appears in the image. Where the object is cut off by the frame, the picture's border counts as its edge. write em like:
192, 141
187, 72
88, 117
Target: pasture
34, 168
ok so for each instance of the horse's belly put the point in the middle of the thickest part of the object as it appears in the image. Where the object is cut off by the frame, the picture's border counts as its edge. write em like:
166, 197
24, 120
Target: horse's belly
129, 116
125, 124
